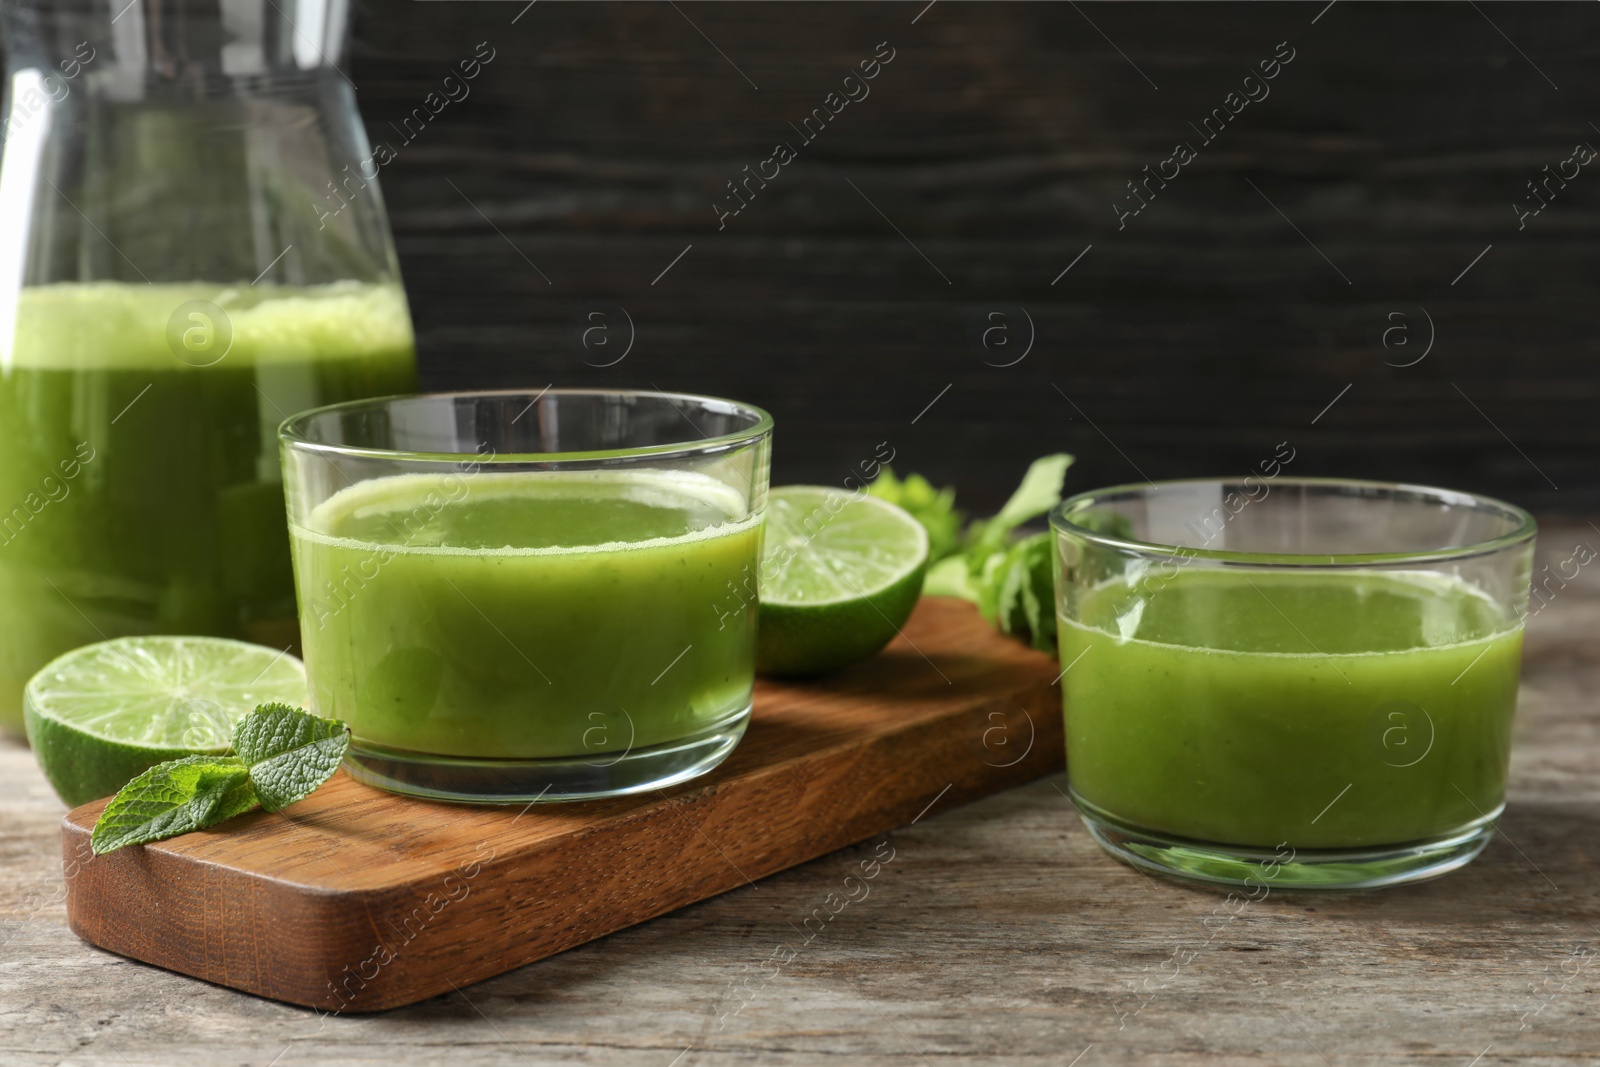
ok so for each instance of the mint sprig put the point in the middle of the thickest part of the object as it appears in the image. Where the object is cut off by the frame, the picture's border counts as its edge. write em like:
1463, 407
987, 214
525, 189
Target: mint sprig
282, 755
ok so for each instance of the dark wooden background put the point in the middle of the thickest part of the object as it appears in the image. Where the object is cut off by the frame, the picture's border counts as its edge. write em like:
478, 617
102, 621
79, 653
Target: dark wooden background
1189, 343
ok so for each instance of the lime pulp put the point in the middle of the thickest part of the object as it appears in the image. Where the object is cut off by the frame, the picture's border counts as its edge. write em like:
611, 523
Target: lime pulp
840, 574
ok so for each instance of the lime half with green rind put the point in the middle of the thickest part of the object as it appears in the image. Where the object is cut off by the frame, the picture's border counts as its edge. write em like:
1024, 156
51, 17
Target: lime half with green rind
101, 715
840, 574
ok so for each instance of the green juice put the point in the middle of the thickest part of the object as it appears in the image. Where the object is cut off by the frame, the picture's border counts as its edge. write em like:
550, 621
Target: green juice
141, 492
528, 615
1323, 710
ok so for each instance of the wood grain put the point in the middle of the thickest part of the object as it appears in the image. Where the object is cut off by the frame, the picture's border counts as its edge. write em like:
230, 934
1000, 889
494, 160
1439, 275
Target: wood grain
356, 900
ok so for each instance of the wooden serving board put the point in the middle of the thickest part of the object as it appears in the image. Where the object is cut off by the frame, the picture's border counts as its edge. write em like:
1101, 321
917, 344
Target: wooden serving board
358, 900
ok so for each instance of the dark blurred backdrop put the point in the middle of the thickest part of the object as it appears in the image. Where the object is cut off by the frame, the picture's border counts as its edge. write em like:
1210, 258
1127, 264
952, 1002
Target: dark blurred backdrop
1315, 252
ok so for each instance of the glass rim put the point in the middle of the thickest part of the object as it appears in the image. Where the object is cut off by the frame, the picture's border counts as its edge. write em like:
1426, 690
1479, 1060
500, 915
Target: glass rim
291, 431
1527, 526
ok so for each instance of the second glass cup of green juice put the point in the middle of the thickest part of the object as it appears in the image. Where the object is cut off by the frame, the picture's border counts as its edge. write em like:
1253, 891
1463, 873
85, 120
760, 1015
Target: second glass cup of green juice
1290, 683
514, 596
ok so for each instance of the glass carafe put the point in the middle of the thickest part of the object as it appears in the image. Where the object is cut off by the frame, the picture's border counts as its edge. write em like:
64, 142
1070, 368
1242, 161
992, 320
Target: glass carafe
193, 249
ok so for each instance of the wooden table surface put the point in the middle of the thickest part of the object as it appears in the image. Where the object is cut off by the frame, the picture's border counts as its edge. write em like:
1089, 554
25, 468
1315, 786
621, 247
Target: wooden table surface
996, 933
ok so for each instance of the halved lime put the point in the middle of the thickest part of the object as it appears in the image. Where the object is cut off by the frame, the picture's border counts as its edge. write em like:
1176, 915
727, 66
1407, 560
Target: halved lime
840, 573
102, 714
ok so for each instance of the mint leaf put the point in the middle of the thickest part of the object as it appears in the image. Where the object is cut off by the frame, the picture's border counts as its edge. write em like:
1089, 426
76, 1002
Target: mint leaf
173, 798
289, 752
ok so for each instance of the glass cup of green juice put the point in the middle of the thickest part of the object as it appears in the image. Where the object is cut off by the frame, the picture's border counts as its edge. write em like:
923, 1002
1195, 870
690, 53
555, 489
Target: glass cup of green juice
513, 596
1302, 684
